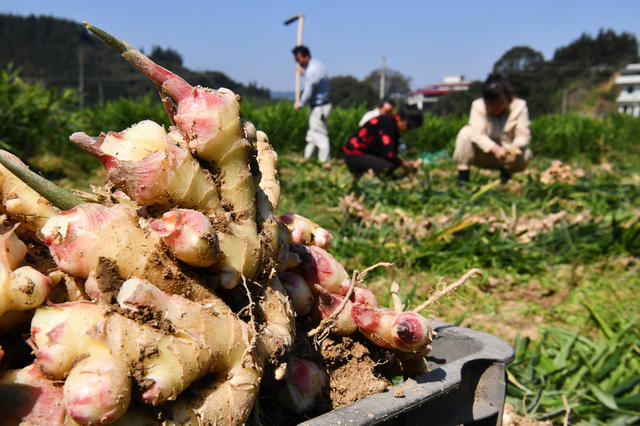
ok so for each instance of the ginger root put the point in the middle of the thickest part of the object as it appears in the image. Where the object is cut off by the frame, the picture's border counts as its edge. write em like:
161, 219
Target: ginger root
197, 287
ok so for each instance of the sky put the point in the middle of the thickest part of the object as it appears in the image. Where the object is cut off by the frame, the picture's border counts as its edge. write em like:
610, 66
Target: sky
424, 40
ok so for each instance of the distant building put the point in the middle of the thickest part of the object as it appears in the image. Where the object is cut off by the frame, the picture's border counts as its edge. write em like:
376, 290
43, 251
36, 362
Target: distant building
427, 96
629, 97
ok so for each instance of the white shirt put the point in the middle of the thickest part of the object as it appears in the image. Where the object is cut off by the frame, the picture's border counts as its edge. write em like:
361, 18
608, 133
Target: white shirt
368, 116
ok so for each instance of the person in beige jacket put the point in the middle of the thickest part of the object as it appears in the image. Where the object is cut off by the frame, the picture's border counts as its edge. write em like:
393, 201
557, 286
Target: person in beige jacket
497, 136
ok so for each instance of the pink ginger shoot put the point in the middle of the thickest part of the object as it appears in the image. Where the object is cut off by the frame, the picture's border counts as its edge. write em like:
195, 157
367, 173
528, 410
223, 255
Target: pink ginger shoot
304, 231
189, 235
302, 384
204, 116
298, 291
320, 267
403, 331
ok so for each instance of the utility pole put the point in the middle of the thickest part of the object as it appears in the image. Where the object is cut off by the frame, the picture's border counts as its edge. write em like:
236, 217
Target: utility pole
81, 78
300, 19
565, 101
100, 94
383, 71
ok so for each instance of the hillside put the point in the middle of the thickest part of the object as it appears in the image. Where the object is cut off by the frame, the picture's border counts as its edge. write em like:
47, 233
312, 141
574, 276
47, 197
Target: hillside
63, 53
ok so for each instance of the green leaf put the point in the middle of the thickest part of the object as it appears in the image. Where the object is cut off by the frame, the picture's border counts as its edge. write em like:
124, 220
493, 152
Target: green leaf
631, 401
605, 398
572, 382
611, 361
601, 322
626, 385
560, 360
397, 380
623, 420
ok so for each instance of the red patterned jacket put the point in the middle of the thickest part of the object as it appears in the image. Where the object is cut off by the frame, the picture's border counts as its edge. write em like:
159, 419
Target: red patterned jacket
378, 137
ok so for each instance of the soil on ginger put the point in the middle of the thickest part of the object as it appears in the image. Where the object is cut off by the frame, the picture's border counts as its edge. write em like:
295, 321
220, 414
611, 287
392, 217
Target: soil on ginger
352, 367
355, 369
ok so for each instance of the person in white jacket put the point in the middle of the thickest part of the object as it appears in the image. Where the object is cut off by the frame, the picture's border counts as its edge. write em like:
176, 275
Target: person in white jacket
497, 136
385, 106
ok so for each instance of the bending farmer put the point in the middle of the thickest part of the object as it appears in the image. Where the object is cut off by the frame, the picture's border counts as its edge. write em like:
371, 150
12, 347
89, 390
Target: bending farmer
316, 94
385, 106
497, 136
374, 146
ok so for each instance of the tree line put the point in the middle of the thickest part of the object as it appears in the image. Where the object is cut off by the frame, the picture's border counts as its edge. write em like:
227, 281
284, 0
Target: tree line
580, 65
62, 53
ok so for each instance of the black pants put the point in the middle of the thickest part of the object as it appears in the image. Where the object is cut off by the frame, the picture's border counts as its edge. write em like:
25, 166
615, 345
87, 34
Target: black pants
359, 164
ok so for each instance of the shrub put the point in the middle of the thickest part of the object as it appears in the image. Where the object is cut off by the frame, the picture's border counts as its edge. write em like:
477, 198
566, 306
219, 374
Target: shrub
34, 119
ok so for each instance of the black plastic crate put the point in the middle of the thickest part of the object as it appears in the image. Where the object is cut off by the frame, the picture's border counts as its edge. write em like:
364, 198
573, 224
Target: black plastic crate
466, 384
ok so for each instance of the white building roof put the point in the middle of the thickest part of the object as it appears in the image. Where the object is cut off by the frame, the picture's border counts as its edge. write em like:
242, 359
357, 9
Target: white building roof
628, 79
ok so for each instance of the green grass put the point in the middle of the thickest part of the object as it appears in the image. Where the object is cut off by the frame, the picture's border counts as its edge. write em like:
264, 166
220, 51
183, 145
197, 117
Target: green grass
534, 291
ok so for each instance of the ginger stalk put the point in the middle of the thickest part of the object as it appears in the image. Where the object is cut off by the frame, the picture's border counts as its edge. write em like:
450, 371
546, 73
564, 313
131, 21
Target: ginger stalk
210, 121
277, 331
20, 201
274, 236
268, 163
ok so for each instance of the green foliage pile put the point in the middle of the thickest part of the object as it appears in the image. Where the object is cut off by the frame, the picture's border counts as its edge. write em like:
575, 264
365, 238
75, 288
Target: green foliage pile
569, 376
613, 136
37, 121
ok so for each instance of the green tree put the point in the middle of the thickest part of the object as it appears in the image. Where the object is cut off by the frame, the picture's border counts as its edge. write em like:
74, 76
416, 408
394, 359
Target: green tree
396, 85
54, 51
457, 103
348, 91
608, 49
524, 68
167, 58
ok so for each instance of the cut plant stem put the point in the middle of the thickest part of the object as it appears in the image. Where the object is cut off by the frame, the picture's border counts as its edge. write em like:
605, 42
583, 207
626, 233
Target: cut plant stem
448, 289
356, 278
397, 303
59, 197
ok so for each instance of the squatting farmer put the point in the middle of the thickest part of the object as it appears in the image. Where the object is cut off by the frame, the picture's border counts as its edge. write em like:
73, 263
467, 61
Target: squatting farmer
497, 136
375, 145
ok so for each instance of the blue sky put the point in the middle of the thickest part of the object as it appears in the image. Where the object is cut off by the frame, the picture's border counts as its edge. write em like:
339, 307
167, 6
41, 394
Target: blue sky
424, 40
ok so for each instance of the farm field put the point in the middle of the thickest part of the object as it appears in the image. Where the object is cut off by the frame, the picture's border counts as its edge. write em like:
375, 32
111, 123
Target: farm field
558, 247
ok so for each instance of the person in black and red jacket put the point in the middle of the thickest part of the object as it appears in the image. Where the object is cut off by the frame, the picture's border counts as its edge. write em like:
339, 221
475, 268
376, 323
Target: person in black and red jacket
374, 146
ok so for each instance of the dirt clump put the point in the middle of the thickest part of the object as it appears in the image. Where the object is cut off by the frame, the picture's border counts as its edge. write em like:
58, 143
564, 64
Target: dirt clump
355, 369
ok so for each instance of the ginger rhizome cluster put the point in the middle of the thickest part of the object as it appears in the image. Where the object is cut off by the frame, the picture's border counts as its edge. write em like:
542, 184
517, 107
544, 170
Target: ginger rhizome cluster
169, 294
